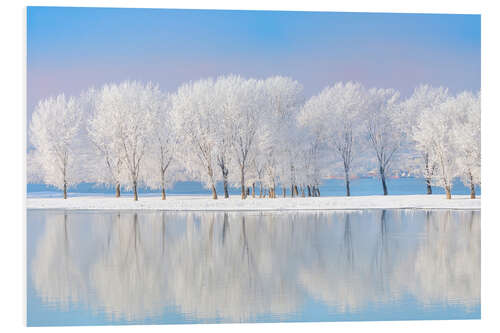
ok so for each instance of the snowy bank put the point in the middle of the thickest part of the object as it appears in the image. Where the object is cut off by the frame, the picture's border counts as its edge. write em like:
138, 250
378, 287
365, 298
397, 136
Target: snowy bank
200, 203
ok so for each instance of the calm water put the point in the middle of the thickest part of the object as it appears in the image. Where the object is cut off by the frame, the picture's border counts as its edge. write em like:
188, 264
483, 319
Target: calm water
100, 268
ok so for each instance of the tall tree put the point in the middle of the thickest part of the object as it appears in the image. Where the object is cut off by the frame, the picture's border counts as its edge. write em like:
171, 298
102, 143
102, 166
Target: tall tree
284, 99
164, 143
54, 132
435, 128
133, 131
424, 97
193, 112
338, 109
245, 120
467, 137
226, 90
382, 129
101, 131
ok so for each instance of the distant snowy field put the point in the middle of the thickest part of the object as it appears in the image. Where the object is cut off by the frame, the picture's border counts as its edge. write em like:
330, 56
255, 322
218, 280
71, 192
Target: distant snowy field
206, 203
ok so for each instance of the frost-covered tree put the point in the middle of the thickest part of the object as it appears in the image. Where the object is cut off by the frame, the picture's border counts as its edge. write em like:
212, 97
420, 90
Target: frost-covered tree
335, 114
54, 133
193, 114
313, 148
102, 125
226, 89
130, 105
383, 129
283, 100
245, 121
164, 143
424, 97
467, 138
435, 130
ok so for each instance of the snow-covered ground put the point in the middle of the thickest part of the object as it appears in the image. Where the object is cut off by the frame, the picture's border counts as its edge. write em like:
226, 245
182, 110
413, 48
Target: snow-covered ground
192, 203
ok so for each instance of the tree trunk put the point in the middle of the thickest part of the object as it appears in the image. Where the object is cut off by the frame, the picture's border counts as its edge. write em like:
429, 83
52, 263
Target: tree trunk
429, 187
303, 194
472, 187
226, 192
243, 191
253, 190
429, 171
347, 183
382, 177
448, 192
296, 190
317, 190
214, 192
260, 190
284, 191
65, 190
308, 190
163, 195
292, 191
118, 193
135, 191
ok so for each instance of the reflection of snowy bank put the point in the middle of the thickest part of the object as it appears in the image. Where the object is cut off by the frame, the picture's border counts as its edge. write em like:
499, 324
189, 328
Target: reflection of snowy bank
197, 203
233, 267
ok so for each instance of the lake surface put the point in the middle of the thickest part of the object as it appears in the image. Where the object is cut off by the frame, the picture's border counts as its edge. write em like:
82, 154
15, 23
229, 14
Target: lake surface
102, 268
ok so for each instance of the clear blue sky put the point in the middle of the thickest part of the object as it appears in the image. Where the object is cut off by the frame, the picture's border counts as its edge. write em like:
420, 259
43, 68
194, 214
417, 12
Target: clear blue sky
70, 49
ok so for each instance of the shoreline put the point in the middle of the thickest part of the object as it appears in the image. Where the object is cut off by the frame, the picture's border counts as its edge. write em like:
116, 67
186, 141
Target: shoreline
235, 203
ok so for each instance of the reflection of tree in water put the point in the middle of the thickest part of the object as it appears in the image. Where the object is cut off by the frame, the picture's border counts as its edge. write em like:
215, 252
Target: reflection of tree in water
234, 271
335, 277
348, 240
238, 266
128, 278
56, 273
446, 268
381, 253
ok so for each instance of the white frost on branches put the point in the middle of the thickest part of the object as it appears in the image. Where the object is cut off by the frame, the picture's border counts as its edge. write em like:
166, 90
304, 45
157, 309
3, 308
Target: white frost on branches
255, 134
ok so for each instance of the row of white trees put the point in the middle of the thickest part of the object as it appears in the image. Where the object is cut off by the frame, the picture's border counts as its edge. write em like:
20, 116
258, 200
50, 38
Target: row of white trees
255, 134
